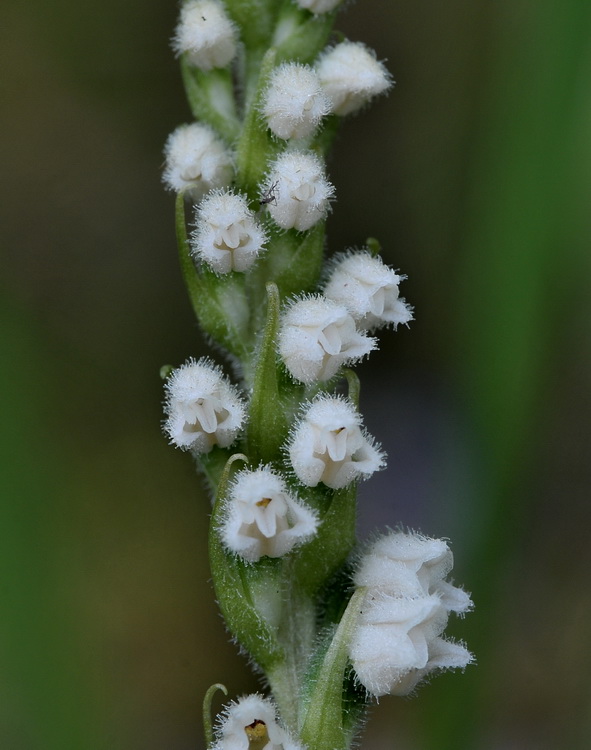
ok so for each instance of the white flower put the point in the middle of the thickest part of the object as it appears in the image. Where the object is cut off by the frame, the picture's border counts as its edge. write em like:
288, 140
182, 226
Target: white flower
252, 722
368, 288
294, 103
203, 408
351, 76
227, 236
301, 190
406, 607
206, 34
319, 6
328, 445
263, 518
317, 336
196, 159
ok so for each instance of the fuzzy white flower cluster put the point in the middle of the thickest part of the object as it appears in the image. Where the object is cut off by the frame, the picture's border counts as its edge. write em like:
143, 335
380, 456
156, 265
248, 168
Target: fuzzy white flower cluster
263, 518
294, 102
301, 190
351, 76
398, 640
317, 337
252, 722
203, 408
227, 235
329, 446
368, 288
205, 34
196, 158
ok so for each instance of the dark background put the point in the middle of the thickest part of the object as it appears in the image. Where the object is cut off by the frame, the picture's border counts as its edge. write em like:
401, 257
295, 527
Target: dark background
475, 175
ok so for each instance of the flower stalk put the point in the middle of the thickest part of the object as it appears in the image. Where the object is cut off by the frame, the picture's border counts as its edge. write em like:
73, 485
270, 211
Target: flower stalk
281, 447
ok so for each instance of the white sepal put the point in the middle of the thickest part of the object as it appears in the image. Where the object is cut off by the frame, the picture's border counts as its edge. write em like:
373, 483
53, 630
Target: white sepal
351, 76
295, 102
196, 159
227, 235
368, 288
300, 188
317, 337
252, 722
329, 446
263, 517
203, 408
206, 34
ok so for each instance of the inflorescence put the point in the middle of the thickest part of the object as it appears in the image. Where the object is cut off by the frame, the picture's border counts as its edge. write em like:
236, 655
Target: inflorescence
283, 449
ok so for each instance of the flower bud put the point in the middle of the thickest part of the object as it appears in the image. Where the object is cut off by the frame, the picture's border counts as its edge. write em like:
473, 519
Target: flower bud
317, 337
227, 236
328, 445
203, 409
300, 189
368, 288
263, 518
351, 76
294, 103
206, 34
196, 159
252, 722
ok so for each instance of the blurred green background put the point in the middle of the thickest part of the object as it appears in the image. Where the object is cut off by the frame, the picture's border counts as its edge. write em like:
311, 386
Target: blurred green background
475, 174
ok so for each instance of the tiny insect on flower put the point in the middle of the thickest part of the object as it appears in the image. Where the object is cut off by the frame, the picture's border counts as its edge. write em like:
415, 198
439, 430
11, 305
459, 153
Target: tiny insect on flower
270, 194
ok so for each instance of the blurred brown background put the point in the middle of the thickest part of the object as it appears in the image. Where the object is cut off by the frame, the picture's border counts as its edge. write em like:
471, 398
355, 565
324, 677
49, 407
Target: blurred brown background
475, 175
